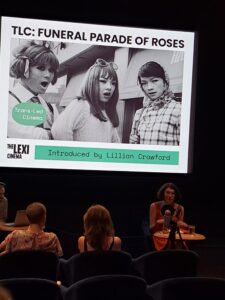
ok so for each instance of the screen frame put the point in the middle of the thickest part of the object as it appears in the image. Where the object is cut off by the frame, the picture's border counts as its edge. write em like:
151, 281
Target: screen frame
18, 152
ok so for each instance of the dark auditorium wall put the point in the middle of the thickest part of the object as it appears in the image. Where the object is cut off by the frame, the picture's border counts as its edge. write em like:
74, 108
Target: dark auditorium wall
67, 194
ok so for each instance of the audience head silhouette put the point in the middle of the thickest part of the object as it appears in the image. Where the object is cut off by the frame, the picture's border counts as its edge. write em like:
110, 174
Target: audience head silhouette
98, 226
36, 213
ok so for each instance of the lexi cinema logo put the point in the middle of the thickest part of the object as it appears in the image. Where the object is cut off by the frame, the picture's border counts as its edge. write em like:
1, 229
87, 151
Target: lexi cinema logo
16, 151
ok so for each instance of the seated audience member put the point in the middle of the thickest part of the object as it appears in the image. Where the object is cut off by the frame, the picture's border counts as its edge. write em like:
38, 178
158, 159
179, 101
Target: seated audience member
168, 195
34, 238
3, 203
98, 231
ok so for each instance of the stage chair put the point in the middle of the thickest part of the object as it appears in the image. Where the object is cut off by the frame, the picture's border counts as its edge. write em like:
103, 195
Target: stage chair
188, 288
108, 287
32, 289
92, 263
29, 264
158, 265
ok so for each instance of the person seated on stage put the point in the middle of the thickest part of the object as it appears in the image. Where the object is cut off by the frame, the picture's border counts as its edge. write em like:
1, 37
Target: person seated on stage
98, 231
34, 238
3, 203
168, 197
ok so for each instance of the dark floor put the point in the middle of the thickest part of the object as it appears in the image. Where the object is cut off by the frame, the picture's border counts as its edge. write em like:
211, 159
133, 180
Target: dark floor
211, 258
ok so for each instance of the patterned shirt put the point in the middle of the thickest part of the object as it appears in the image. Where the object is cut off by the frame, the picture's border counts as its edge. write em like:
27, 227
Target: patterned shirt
158, 126
25, 240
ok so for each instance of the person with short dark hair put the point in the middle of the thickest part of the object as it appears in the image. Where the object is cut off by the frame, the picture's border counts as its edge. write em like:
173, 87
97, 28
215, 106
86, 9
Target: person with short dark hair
34, 238
98, 231
159, 122
34, 66
3, 203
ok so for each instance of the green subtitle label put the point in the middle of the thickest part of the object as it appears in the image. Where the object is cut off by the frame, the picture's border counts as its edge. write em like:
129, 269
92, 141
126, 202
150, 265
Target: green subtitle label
106, 155
29, 114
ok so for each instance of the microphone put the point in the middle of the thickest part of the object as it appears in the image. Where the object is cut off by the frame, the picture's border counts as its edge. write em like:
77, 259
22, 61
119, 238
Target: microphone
167, 207
167, 220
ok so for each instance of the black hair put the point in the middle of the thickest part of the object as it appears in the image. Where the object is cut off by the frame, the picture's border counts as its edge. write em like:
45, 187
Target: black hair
152, 69
160, 193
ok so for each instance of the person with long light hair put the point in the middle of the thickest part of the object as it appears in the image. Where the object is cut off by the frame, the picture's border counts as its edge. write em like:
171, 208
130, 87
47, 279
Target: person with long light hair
92, 116
99, 231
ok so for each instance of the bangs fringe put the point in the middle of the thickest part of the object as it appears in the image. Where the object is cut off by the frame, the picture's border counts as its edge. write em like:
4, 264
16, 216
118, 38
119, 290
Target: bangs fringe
46, 58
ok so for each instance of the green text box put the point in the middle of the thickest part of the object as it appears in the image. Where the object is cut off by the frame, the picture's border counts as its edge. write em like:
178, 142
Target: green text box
106, 155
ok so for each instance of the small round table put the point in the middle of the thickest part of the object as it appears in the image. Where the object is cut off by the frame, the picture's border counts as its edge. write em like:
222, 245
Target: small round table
185, 236
161, 240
